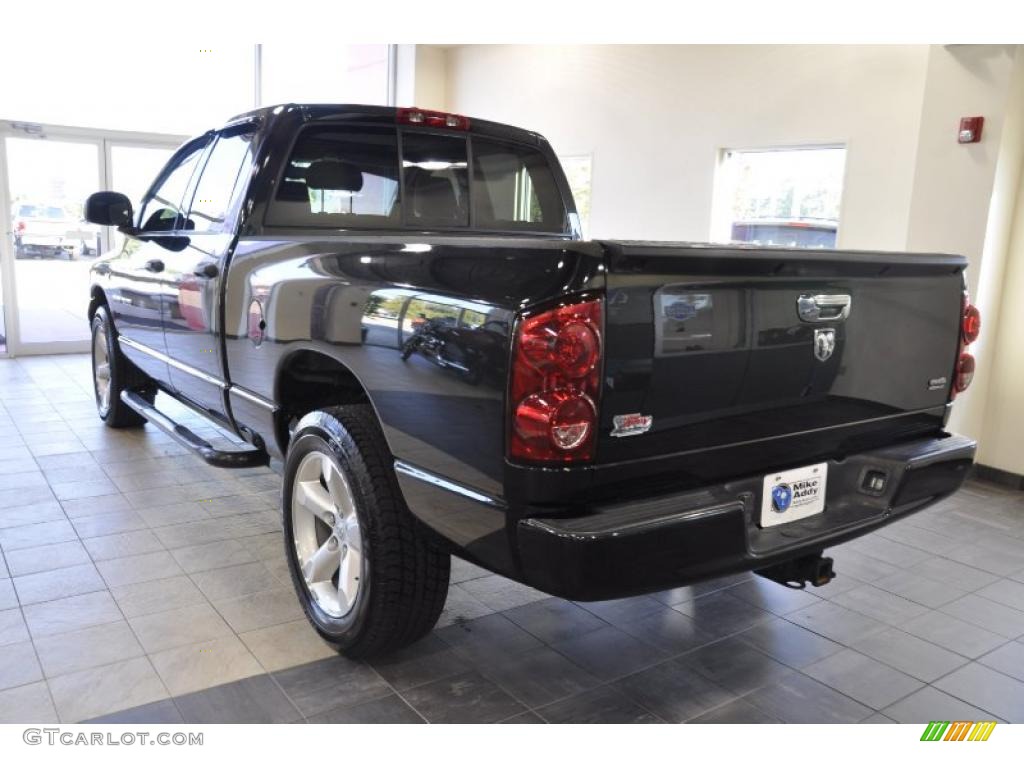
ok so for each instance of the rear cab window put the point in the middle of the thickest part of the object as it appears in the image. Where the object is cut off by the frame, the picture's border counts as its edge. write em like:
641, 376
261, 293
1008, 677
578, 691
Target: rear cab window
359, 177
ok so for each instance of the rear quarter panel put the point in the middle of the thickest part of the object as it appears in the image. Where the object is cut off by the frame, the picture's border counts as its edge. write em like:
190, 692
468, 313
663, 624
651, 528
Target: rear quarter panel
354, 298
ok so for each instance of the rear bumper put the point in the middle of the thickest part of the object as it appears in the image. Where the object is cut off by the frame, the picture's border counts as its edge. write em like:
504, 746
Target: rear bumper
645, 545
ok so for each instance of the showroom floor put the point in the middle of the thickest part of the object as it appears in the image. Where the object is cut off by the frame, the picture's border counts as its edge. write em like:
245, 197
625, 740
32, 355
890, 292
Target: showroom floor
138, 584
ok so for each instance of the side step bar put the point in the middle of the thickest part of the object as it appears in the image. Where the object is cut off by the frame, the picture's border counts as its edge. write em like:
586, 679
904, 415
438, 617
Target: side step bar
236, 459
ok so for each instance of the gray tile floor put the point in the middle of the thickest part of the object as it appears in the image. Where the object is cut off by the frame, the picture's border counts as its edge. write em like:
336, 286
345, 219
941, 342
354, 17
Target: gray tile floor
138, 584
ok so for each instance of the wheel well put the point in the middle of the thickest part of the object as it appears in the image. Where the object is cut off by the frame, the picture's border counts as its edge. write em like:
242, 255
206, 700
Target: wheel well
310, 380
96, 299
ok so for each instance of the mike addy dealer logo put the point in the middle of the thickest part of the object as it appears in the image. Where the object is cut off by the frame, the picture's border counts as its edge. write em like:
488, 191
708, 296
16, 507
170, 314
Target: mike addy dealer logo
786, 495
959, 730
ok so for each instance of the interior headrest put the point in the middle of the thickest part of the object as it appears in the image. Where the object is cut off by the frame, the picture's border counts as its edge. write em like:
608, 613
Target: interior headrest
293, 191
334, 174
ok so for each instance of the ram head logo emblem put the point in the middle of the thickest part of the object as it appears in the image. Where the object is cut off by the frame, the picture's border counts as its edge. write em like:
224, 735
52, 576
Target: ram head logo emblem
824, 343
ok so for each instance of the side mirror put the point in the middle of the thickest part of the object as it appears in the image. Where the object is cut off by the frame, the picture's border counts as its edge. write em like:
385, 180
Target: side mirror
109, 209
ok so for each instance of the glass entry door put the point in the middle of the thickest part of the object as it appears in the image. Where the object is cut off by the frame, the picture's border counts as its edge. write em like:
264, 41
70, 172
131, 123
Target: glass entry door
3, 307
45, 177
48, 181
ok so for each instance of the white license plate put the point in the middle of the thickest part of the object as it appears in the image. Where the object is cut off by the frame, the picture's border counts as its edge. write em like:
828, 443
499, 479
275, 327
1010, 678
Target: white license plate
793, 495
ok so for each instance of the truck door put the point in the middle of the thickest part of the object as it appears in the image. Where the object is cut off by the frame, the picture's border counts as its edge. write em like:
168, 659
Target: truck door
191, 312
138, 272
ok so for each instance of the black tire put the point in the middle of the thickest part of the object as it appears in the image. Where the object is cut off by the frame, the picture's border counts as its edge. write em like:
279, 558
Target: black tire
405, 573
123, 375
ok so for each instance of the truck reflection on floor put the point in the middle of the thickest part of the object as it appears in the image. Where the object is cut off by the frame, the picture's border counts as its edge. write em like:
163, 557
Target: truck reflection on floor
472, 352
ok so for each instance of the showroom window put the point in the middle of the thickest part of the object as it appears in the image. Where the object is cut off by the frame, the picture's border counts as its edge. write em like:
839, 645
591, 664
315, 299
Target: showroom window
339, 74
786, 197
577, 170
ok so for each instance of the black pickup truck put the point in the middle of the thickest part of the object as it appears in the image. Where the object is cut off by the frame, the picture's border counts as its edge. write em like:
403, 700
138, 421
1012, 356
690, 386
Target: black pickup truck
396, 304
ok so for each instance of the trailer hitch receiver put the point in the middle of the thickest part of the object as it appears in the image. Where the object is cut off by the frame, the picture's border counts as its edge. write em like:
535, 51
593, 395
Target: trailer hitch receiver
797, 573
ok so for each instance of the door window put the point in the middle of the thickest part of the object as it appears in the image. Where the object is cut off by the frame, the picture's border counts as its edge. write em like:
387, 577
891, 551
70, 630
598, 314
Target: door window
221, 183
162, 210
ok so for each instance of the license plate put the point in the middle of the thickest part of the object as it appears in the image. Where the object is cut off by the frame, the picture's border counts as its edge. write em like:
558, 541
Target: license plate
793, 495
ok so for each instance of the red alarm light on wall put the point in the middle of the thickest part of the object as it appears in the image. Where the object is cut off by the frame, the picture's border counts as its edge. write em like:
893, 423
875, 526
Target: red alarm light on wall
970, 130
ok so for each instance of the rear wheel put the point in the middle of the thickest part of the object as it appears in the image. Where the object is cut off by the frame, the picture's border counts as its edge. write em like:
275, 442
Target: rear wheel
112, 373
369, 577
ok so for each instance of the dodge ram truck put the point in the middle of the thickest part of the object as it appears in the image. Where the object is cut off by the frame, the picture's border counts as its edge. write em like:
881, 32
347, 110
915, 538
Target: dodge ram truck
396, 308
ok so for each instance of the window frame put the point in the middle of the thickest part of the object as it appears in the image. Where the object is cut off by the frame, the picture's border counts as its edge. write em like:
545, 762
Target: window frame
566, 231
242, 181
186, 150
566, 226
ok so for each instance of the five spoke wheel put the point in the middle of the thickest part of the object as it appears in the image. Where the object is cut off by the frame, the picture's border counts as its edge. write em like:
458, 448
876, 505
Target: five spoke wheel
101, 368
327, 537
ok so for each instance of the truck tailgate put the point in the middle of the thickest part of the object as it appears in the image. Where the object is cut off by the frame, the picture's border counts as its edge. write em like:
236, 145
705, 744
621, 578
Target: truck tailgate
745, 359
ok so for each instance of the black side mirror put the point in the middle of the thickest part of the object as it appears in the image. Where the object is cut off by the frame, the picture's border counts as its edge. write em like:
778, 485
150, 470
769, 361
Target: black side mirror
109, 209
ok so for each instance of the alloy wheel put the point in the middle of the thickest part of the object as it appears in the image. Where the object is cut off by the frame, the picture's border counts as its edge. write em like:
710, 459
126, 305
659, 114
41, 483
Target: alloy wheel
327, 538
101, 369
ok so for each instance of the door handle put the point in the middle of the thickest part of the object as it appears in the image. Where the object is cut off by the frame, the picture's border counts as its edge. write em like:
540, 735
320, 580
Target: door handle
823, 308
155, 265
207, 270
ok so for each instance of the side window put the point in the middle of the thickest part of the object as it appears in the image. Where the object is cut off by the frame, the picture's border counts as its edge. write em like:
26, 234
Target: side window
221, 182
436, 172
162, 210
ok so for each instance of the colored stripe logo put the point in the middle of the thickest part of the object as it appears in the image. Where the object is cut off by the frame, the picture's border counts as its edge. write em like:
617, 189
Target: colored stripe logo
959, 730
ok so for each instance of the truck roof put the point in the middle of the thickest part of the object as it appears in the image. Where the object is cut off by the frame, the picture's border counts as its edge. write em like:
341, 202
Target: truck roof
376, 113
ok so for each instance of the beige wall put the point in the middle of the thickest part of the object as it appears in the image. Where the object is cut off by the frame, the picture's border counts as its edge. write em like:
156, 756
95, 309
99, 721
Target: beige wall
655, 118
1001, 350
987, 405
1003, 443
422, 79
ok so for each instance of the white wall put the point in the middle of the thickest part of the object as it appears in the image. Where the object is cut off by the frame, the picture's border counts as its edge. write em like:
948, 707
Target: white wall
655, 118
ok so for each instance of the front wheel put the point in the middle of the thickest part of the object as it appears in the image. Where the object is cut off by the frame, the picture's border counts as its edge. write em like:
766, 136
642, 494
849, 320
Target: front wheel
369, 577
112, 373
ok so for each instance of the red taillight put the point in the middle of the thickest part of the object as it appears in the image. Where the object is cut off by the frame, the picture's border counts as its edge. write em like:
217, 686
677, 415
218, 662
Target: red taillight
556, 379
970, 329
431, 119
971, 324
964, 371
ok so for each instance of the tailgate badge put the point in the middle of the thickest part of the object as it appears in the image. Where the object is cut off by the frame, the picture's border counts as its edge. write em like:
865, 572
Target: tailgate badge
824, 343
627, 424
